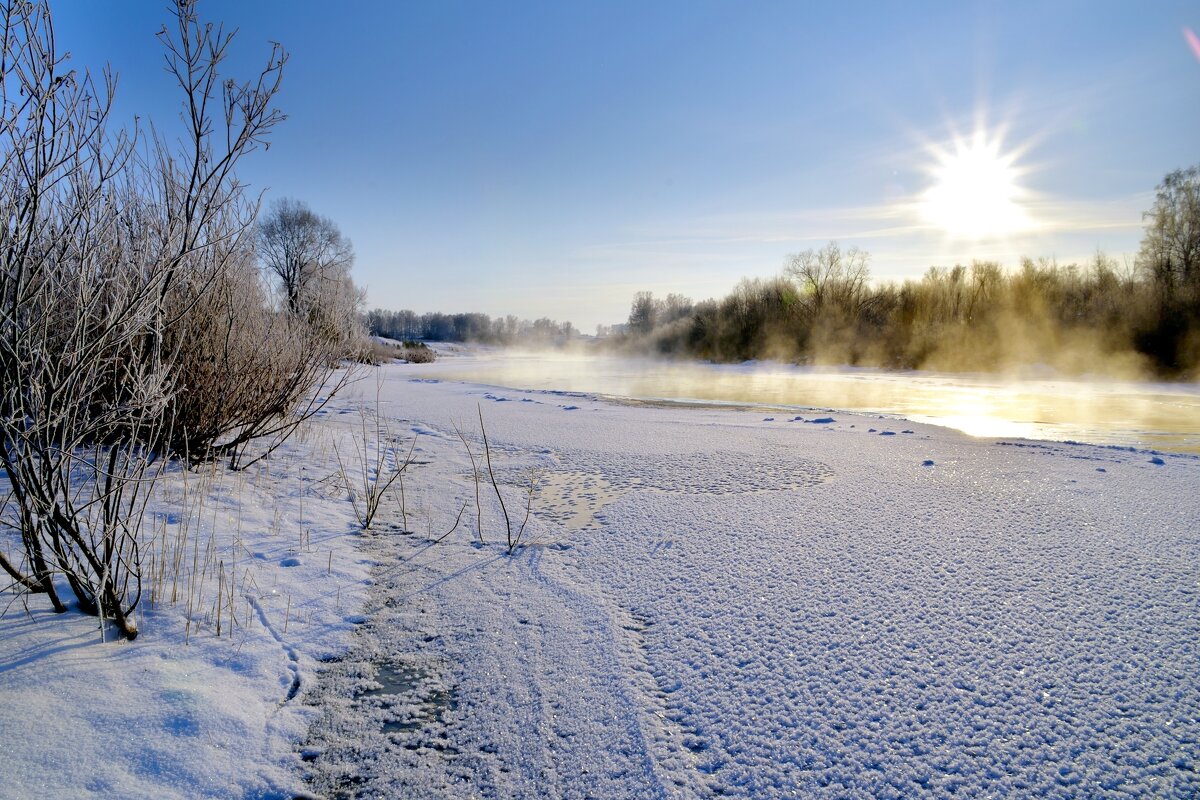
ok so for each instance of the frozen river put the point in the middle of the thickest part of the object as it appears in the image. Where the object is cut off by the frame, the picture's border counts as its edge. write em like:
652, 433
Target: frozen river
1163, 416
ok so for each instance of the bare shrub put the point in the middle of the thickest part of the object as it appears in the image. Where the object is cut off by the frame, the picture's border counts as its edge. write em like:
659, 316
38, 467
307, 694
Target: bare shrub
108, 246
245, 372
417, 353
378, 463
375, 352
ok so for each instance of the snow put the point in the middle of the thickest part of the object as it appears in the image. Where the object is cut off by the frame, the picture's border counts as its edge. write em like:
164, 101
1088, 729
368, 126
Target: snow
180, 712
706, 604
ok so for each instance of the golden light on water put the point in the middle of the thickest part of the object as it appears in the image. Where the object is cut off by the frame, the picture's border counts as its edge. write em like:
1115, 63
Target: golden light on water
987, 414
983, 423
1098, 411
976, 192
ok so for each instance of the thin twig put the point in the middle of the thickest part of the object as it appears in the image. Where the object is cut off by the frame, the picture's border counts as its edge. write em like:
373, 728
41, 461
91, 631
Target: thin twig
491, 474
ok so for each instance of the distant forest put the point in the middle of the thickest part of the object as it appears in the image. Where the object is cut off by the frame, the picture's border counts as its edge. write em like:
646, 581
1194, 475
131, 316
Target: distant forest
1100, 317
473, 327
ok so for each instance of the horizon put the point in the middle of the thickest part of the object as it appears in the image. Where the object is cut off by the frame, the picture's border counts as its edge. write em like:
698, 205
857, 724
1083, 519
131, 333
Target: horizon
548, 161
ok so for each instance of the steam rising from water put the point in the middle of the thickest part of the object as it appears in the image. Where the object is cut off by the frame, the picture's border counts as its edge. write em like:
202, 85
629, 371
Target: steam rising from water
1155, 415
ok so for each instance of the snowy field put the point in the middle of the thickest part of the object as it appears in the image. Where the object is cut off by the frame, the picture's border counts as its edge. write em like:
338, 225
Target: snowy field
708, 602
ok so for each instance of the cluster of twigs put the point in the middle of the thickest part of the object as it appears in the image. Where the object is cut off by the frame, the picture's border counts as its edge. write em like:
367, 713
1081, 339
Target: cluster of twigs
513, 538
378, 465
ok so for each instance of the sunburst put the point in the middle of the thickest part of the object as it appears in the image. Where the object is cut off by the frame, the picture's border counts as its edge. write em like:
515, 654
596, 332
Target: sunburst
976, 191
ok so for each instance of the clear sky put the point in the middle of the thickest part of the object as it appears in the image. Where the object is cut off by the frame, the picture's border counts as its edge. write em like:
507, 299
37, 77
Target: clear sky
554, 158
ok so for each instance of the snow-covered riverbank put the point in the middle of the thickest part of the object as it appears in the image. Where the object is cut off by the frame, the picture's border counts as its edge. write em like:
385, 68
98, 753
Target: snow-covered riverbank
710, 601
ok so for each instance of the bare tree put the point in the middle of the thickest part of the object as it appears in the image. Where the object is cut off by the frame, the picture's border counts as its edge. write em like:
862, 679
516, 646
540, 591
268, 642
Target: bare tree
832, 281
305, 251
643, 314
311, 260
1170, 250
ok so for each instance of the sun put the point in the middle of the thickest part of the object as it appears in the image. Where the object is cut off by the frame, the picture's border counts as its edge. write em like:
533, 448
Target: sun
976, 192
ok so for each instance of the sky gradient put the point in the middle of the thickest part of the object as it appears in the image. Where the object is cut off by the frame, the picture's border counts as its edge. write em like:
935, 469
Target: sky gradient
552, 159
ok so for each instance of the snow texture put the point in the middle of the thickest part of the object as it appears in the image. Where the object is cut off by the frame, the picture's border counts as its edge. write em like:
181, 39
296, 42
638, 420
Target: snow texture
706, 604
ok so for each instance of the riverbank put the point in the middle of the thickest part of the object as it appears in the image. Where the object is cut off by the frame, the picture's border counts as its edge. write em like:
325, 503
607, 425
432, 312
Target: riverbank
707, 601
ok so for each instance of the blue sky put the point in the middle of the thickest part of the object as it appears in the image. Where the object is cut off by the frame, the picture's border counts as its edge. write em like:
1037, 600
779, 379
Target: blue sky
553, 158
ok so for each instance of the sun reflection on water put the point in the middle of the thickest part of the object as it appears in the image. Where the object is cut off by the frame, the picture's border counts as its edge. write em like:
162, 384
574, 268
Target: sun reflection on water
1161, 416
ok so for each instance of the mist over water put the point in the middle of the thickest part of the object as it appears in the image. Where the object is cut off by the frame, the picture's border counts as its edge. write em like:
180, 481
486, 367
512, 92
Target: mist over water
1129, 413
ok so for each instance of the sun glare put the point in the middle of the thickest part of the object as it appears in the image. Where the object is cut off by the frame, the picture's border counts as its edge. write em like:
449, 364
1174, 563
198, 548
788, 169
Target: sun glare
975, 193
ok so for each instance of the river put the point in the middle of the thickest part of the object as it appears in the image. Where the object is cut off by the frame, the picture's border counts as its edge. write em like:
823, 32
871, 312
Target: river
1160, 416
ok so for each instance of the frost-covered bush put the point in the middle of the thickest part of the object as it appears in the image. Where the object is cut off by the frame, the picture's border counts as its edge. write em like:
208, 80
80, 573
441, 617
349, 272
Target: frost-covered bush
133, 323
243, 369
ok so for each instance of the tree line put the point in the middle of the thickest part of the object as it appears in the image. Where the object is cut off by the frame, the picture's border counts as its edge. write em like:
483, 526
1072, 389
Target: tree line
471, 327
1101, 316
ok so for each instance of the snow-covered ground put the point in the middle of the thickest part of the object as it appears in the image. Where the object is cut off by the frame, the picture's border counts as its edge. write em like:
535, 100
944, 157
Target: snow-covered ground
181, 712
709, 602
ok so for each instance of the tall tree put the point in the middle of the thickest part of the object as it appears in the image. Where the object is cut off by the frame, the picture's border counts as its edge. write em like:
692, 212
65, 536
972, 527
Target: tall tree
305, 251
1171, 247
832, 280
